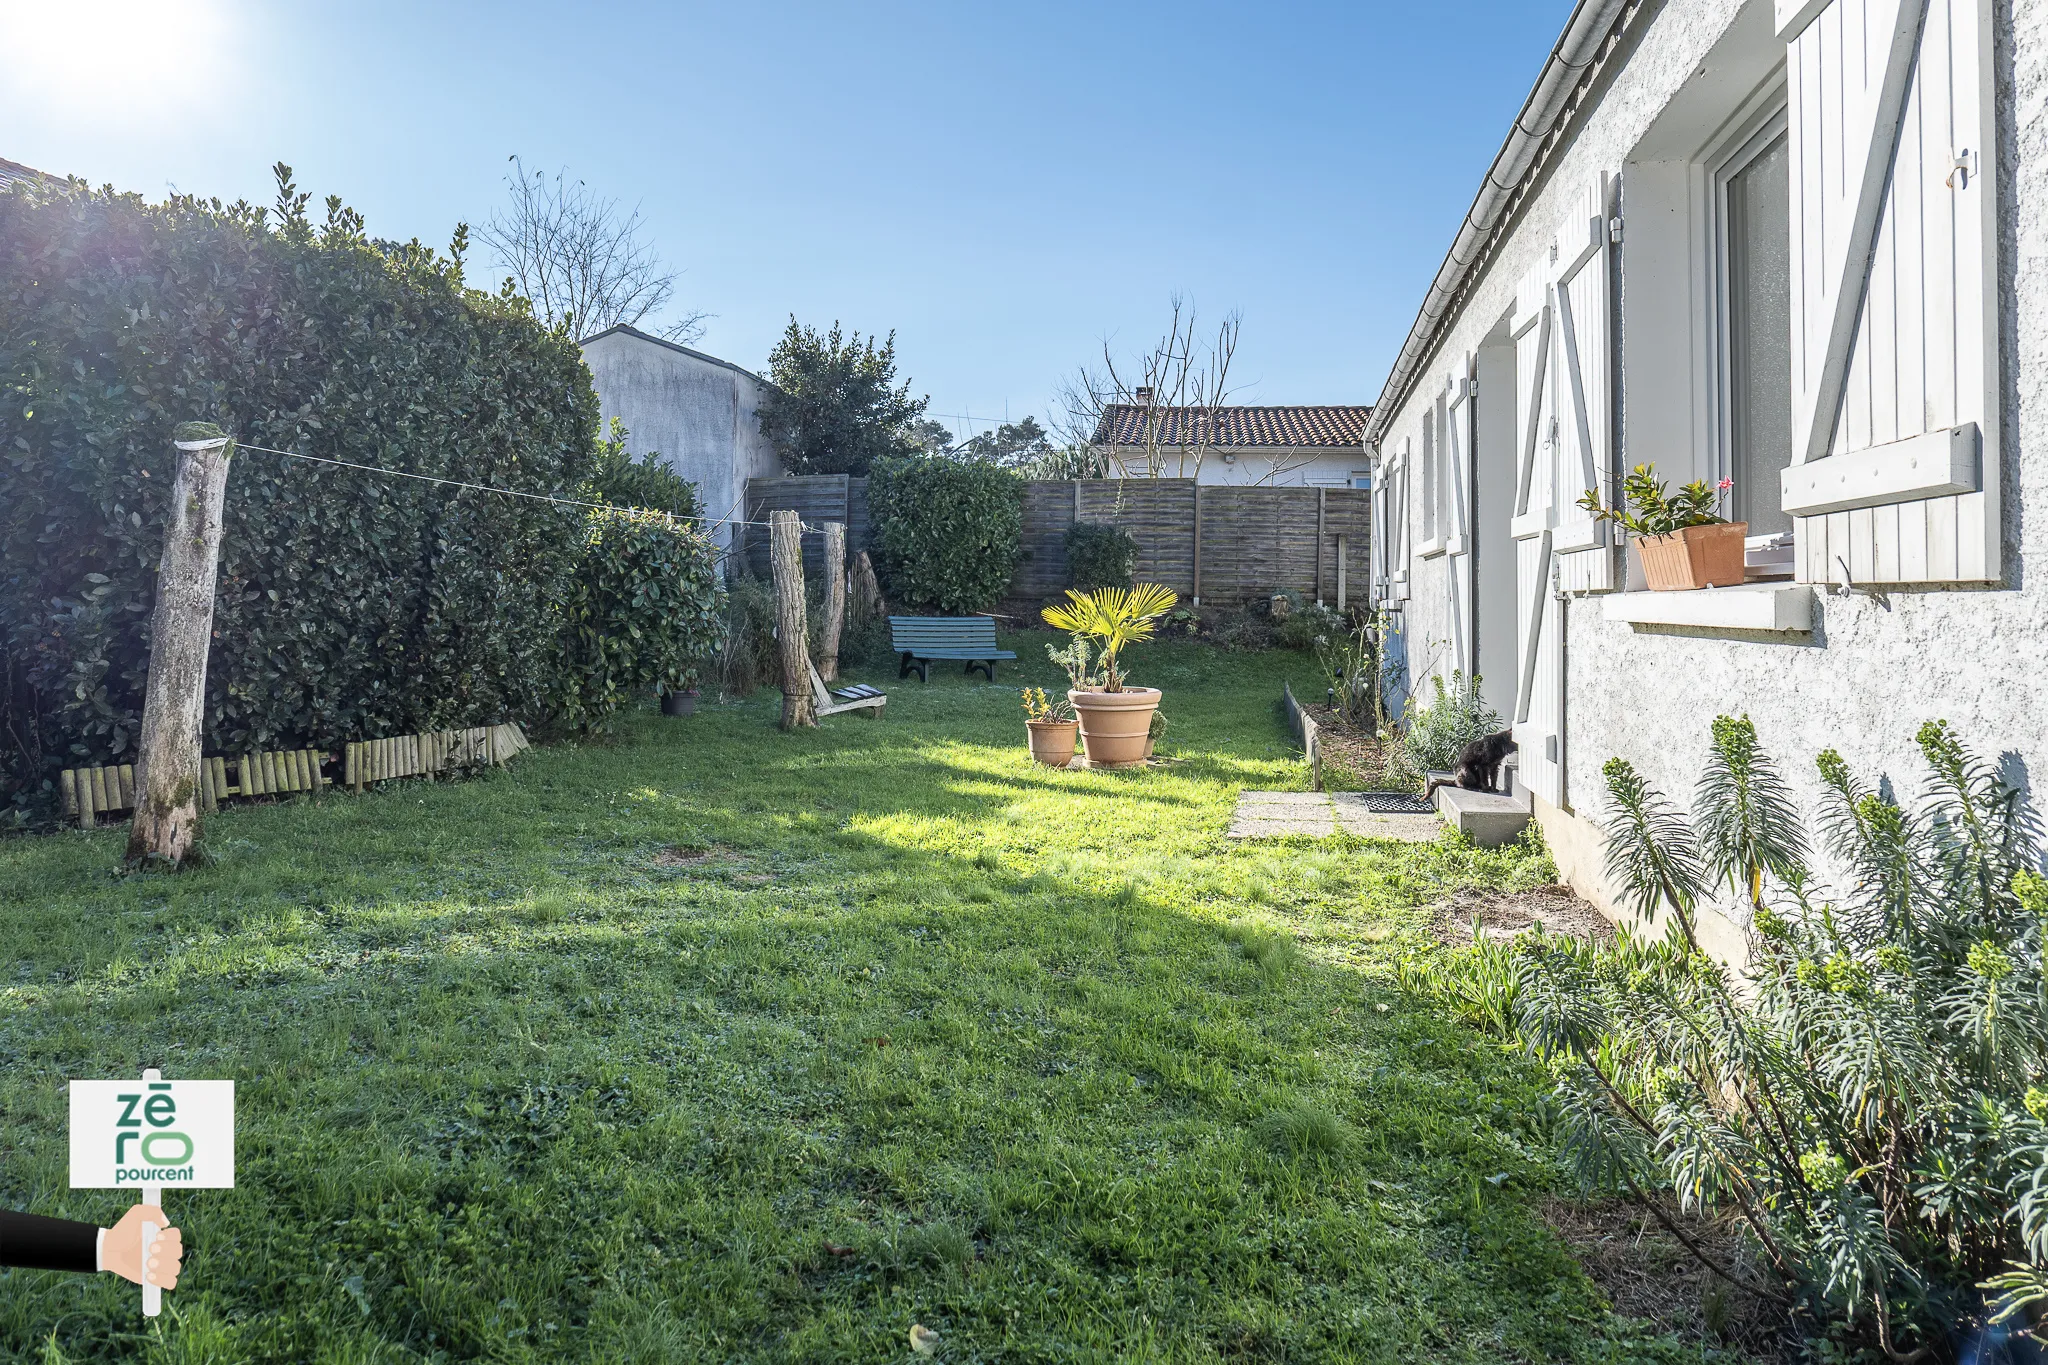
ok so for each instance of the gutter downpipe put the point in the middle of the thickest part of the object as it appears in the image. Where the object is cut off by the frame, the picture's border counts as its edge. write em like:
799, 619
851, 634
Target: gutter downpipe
1584, 33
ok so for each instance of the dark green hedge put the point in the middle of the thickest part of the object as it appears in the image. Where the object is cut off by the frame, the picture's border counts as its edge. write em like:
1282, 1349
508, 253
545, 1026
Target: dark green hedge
1099, 556
644, 610
947, 533
350, 604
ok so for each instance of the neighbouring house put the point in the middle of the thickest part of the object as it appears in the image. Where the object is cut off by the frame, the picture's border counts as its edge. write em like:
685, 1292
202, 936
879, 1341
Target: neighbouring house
699, 412
1791, 243
11, 171
1312, 446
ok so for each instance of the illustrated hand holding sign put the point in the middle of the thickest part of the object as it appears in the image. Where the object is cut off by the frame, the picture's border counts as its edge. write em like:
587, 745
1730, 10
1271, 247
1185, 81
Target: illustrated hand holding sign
144, 1135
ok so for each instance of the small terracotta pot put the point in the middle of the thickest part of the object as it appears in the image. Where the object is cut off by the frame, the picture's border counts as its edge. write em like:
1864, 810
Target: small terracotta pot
1116, 725
1697, 557
1052, 741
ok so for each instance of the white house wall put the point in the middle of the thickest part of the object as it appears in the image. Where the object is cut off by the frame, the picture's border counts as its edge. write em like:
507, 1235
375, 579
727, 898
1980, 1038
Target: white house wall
1876, 665
701, 414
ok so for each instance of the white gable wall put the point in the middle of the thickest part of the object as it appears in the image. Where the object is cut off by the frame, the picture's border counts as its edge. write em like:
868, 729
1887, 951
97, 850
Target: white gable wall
700, 413
1876, 664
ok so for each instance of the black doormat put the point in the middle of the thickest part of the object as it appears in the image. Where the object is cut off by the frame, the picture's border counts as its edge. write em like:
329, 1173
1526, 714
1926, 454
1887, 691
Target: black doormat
1395, 803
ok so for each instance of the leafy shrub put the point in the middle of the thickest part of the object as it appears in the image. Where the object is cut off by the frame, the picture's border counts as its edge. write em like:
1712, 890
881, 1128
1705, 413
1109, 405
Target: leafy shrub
748, 659
947, 534
644, 609
644, 481
1306, 623
833, 405
1870, 1104
1244, 633
1360, 671
1457, 716
1099, 556
350, 604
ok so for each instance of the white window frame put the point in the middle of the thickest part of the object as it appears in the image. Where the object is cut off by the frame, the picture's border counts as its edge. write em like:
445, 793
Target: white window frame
1765, 119
1430, 542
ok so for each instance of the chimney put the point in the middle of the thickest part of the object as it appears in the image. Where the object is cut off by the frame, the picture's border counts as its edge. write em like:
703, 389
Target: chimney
1143, 396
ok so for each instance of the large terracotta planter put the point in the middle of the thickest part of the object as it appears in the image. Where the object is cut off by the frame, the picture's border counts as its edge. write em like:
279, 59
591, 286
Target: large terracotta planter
1052, 741
1697, 557
1116, 725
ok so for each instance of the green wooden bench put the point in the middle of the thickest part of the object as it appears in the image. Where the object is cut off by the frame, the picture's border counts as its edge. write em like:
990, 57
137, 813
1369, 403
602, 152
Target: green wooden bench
921, 639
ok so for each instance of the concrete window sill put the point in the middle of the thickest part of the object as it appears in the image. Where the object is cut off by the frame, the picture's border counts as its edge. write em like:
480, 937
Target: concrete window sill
1784, 607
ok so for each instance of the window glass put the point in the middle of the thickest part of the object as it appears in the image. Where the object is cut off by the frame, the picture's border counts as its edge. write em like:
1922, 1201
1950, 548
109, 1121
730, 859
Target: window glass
1759, 237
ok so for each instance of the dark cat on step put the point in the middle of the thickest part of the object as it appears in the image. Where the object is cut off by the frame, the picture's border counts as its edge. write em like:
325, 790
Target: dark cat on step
1479, 765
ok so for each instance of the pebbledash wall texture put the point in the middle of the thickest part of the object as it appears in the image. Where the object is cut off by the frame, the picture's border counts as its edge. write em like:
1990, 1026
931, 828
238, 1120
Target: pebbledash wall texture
1877, 663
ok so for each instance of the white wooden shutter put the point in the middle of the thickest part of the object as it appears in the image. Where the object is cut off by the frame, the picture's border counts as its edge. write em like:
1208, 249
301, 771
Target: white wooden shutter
1404, 512
1455, 471
1585, 365
1894, 293
1538, 719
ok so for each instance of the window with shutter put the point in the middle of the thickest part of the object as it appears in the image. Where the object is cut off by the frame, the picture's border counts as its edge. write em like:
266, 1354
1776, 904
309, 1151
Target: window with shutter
1894, 321
1456, 465
1538, 718
1581, 298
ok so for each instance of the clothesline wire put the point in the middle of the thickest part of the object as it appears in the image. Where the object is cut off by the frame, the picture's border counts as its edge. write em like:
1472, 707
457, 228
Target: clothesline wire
488, 488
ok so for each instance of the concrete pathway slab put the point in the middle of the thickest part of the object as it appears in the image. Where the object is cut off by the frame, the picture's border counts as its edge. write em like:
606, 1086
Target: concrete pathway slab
1319, 815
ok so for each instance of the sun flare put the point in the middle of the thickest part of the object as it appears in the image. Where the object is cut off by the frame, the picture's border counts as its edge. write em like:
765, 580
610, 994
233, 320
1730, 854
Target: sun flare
114, 57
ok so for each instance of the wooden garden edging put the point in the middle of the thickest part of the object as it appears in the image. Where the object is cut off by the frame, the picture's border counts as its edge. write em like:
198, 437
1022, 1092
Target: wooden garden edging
92, 792
1306, 734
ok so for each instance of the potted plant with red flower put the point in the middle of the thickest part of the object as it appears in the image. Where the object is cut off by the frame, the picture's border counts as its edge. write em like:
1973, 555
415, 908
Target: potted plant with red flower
1681, 538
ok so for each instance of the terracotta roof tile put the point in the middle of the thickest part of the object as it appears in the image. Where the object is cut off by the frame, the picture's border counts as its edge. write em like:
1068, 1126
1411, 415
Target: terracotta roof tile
1123, 424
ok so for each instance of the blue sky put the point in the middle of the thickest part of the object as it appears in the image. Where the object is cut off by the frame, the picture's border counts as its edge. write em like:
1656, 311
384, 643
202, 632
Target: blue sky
1005, 186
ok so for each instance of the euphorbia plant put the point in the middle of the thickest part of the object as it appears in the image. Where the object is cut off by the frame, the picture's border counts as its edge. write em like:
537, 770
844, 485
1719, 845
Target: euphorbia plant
1648, 510
1114, 618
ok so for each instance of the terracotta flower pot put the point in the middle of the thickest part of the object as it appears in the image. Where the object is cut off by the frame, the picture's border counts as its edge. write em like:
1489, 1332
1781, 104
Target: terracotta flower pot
1116, 725
1697, 557
1052, 741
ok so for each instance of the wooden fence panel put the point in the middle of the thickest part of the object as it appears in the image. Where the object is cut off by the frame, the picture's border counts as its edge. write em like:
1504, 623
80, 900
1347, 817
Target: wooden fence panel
1254, 542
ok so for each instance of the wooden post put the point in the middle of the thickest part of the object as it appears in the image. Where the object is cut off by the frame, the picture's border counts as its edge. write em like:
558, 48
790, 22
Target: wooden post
1340, 572
786, 556
835, 600
1197, 594
181, 629
1322, 518
867, 590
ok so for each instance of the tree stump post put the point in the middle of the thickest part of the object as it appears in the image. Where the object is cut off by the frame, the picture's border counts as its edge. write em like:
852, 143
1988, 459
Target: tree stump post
786, 557
835, 601
181, 631
867, 590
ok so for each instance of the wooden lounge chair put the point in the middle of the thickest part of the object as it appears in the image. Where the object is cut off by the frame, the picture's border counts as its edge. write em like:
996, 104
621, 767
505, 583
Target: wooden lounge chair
859, 697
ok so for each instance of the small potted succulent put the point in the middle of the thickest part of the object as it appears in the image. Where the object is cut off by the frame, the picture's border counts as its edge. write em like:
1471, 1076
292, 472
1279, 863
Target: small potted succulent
1116, 720
1050, 728
1681, 538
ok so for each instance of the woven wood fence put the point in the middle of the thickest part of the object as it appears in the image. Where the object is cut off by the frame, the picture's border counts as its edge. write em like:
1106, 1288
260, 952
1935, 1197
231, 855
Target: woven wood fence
1222, 543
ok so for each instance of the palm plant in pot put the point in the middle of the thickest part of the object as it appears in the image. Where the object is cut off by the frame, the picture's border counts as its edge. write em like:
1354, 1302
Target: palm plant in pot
1681, 538
1116, 719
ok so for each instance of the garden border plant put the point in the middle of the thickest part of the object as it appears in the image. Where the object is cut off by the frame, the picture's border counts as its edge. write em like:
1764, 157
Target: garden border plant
1872, 1103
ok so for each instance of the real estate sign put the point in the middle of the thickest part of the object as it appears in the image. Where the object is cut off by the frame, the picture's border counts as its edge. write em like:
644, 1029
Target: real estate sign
152, 1132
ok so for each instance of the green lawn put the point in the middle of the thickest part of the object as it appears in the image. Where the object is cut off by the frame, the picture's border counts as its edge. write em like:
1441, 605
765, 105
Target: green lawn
715, 1043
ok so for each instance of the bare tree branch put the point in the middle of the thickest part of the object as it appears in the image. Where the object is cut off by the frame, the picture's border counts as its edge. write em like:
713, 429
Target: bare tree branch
578, 259
1179, 388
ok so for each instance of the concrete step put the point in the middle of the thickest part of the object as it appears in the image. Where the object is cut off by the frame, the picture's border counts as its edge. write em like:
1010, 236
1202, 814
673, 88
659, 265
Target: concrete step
1488, 819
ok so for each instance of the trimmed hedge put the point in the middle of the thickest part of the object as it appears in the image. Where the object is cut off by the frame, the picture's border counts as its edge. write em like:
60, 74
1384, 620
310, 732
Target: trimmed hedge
947, 534
1099, 556
644, 610
350, 604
